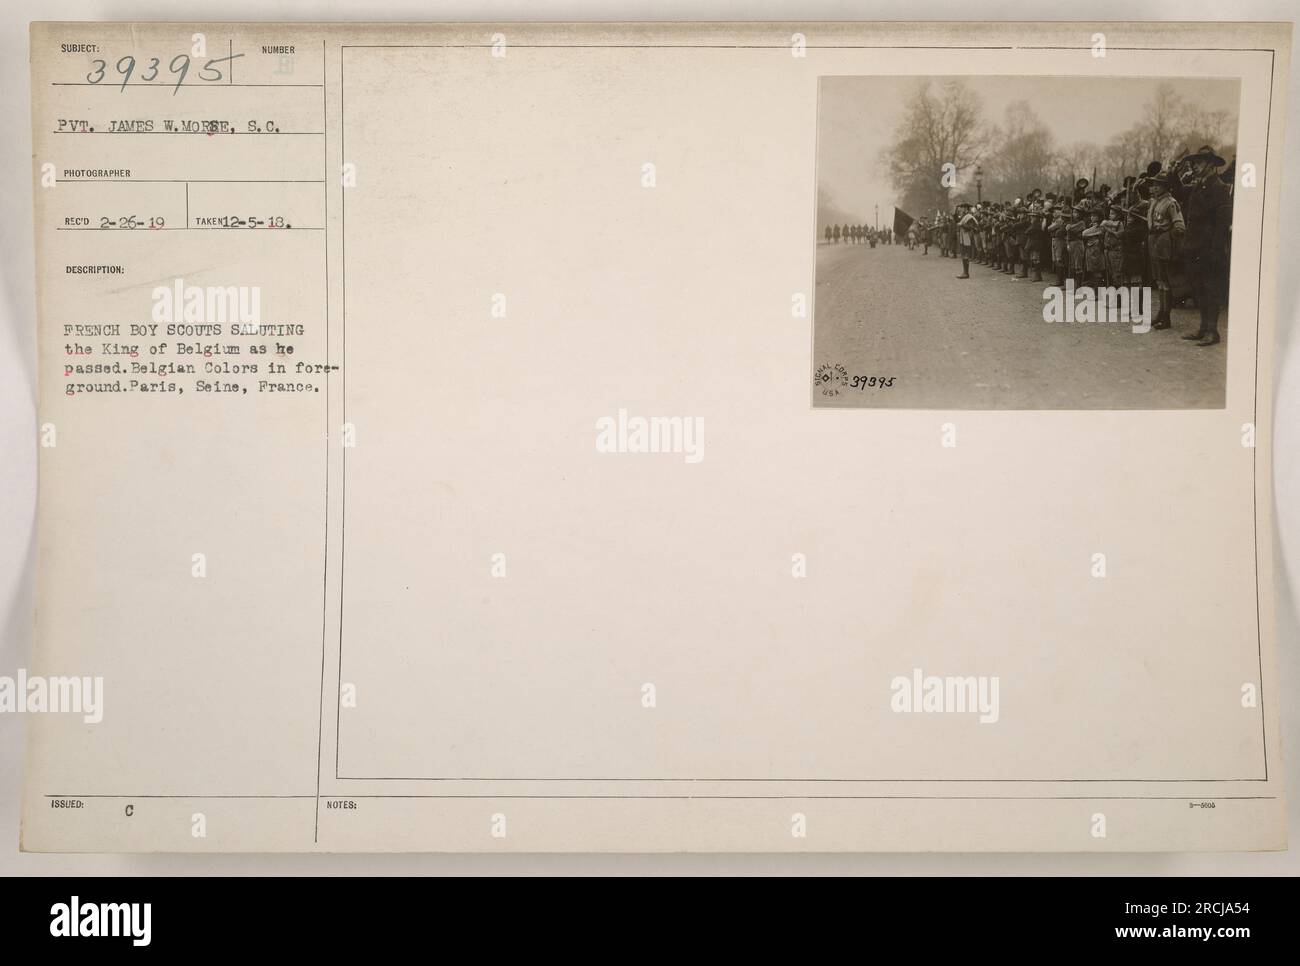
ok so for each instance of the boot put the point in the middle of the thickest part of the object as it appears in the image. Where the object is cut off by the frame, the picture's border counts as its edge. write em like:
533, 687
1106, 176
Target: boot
1210, 323
965, 268
1038, 273
1161, 305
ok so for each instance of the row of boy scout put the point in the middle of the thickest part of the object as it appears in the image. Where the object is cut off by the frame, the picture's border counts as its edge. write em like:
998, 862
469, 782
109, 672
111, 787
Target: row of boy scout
858, 235
1168, 229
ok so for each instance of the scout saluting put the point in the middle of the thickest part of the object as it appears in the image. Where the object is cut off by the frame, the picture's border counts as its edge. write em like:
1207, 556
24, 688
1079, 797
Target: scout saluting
1094, 260
967, 225
1074, 242
1112, 233
1057, 230
1035, 236
1135, 245
1208, 202
1165, 230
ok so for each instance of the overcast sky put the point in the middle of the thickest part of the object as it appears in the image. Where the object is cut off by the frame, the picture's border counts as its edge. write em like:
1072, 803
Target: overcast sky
857, 117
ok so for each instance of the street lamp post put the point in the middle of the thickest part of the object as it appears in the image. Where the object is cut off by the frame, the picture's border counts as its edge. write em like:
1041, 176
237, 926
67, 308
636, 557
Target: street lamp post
979, 183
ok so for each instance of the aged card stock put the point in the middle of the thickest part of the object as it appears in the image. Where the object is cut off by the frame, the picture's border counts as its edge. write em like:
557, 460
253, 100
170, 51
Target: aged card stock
655, 437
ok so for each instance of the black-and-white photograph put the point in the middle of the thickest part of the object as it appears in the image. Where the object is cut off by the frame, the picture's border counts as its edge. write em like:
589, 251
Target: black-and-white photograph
1031, 242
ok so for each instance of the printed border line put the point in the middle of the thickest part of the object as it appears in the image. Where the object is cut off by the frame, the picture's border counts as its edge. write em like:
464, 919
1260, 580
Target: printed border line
208, 86
847, 798
832, 781
786, 46
1254, 479
1254, 455
325, 554
343, 493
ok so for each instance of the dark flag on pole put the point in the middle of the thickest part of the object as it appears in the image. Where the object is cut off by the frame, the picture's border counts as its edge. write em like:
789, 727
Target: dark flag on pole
902, 221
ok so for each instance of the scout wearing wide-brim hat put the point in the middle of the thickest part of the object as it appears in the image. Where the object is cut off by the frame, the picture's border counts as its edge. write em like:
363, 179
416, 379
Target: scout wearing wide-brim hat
1160, 178
1207, 153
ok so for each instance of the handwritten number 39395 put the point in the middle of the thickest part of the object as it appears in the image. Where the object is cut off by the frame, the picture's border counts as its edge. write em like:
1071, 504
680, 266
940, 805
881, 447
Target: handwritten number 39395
178, 67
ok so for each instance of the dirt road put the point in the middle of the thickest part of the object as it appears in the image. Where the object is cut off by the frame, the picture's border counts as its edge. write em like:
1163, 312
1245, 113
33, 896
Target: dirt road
982, 343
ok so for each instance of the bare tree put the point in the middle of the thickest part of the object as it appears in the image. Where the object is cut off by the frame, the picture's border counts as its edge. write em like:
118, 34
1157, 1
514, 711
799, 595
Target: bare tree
1124, 154
1198, 126
1022, 152
938, 128
944, 126
1161, 119
1074, 162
